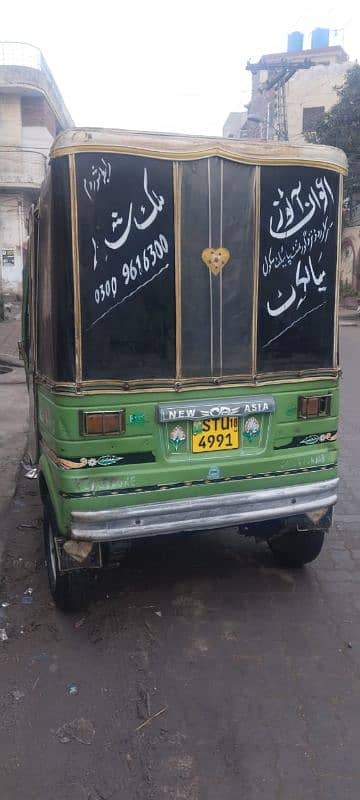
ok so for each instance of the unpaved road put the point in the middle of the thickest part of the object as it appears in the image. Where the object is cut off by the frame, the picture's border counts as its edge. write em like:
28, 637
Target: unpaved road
255, 670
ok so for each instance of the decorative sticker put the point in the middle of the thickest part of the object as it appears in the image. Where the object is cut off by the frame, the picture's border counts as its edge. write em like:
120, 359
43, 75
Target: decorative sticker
251, 428
177, 437
328, 437
215, 258
319, 438
309, 439
106, 461
93, 461
101, 461
214, 474
138, 418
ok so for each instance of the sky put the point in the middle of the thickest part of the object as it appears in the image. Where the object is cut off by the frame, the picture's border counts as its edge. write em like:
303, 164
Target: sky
166, 66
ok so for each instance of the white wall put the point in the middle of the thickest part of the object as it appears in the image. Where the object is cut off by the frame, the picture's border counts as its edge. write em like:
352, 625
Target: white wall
37, 138
310, 88
13, 235
10, 120
23, 166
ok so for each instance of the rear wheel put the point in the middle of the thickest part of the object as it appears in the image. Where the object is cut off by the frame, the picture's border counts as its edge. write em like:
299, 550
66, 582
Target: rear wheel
64, 587
296, 548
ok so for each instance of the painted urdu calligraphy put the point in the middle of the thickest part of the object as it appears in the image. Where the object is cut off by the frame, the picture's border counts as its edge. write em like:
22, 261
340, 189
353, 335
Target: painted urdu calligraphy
297, 259
99, 176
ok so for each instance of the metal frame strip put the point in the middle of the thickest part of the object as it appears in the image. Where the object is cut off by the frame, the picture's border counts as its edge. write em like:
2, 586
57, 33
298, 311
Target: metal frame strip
76, 270
205, 382
193, 385
338, 262
221, 274
177, 181
283, 158
256, 267
210, 242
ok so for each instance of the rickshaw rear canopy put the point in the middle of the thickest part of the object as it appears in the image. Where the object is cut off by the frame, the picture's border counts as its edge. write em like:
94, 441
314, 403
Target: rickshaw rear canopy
178, 261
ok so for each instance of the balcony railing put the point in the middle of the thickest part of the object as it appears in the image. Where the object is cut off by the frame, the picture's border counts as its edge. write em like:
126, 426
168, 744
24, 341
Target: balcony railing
27, 56
21, 168
20, 54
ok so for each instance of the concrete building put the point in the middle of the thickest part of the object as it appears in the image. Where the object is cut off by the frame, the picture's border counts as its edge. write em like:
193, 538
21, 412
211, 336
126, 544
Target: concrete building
312, 92
234, 124
308, 93
32, 112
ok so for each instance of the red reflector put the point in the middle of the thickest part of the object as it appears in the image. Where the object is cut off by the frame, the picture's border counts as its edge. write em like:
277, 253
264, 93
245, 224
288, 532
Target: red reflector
93, 423
111, 423
102, 423
314, 406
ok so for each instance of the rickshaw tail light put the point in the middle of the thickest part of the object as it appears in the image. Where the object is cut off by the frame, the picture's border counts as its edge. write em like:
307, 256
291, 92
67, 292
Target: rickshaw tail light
102, 423
314, 406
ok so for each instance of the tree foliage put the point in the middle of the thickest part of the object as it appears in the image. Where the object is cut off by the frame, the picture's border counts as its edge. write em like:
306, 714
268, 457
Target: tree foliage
340, 126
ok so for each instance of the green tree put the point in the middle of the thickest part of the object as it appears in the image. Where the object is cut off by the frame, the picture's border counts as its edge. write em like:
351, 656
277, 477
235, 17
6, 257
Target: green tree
340, 126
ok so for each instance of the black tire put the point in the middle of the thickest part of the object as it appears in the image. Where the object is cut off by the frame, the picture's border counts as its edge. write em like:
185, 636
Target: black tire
296, 548
64, 587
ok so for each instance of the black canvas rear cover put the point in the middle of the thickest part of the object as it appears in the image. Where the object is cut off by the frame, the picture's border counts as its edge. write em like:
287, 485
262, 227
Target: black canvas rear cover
297, 270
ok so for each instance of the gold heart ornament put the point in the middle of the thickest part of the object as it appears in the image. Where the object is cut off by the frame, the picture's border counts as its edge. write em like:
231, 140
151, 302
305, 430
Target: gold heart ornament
215, 258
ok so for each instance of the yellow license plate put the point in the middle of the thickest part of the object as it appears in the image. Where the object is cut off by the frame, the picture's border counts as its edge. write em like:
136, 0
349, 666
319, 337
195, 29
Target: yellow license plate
215, 434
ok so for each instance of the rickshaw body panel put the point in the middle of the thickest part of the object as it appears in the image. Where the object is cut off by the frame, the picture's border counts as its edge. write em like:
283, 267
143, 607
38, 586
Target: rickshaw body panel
270, 462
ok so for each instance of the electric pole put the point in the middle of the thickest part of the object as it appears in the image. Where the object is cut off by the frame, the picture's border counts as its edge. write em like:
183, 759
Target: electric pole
282, 70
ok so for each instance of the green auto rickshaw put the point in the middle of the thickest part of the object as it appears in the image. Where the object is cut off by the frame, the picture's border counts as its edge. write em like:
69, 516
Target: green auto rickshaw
180, 335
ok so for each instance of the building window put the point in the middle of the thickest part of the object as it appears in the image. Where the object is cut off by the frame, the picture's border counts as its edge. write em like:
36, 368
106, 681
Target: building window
312, 117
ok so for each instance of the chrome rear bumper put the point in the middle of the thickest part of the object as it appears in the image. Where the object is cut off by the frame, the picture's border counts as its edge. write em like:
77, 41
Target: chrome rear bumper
202, 513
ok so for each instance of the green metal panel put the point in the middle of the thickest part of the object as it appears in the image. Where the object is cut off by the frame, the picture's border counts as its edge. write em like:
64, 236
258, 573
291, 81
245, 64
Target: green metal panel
285, 451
